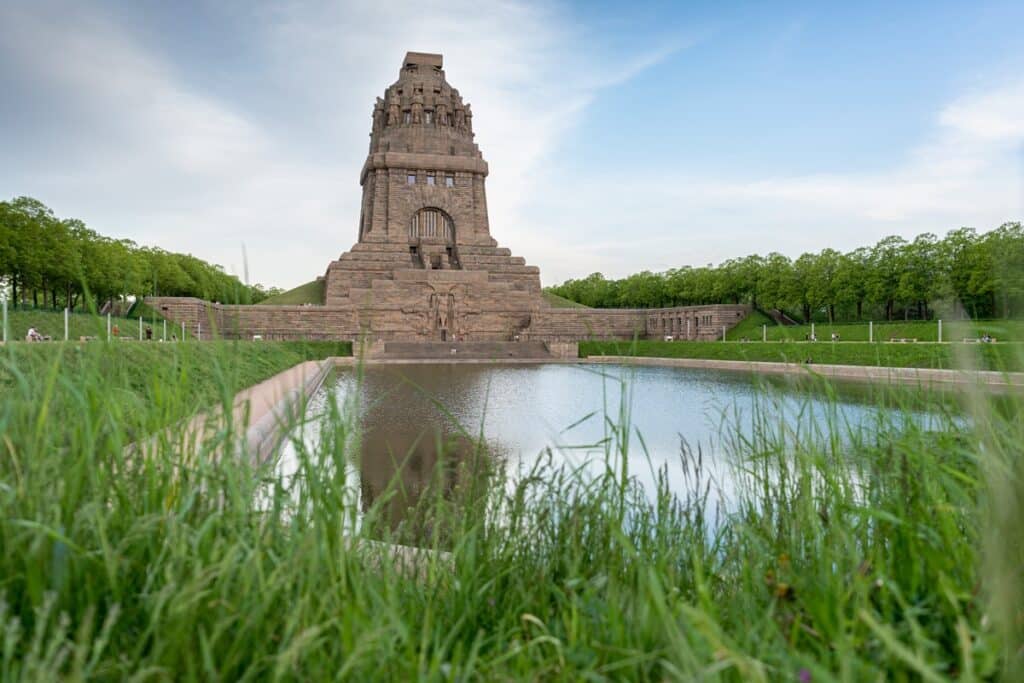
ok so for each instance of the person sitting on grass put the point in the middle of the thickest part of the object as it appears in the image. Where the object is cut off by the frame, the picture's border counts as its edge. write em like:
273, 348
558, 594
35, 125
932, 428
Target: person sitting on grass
33, 335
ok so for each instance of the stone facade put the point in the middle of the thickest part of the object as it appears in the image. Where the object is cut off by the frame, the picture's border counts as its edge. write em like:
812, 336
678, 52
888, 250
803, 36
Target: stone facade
425, 267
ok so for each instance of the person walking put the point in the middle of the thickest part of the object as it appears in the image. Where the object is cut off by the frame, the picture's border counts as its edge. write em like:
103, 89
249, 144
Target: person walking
149, 333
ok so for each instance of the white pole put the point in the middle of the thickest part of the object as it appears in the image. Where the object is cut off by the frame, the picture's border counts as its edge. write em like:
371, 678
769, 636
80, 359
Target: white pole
687, 329
723, 332
65, 324
871, 330
764, 333
940, 330
199, 331
812, 331
165, 329
182, 331
140, 328
4, 298
108, 327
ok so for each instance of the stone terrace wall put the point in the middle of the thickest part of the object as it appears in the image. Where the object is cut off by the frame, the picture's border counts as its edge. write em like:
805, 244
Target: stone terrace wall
270, 322
702, 323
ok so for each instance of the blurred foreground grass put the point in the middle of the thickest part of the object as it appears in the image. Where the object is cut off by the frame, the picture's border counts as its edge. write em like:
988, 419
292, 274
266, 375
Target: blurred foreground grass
887, 554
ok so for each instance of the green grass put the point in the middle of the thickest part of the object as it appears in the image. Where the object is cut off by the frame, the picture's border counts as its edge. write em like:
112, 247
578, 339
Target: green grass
309, 293
559, 301
750, 327
1003, 357
952, 330
891, 554
51, 323
149, 378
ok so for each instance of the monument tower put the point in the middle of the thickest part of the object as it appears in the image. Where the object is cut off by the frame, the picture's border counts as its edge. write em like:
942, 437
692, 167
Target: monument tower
425, 266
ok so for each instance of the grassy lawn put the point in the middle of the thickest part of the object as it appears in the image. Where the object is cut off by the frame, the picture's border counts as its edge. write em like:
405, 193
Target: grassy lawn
952, 330
309, 293
51, 323
1001, 356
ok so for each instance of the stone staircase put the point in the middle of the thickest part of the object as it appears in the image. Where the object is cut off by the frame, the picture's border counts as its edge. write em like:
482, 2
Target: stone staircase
532, 350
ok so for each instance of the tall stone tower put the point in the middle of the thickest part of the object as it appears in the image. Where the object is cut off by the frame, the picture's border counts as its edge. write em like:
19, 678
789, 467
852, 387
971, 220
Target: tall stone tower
425, 266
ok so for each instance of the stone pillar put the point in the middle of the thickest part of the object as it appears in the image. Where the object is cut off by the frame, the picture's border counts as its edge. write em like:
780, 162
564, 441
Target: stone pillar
480, 207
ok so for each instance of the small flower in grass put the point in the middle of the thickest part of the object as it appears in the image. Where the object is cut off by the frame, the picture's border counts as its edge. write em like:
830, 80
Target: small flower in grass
804, 676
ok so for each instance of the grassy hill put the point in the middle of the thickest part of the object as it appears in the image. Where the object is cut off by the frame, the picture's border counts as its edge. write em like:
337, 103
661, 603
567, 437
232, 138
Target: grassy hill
309, 293
560, 302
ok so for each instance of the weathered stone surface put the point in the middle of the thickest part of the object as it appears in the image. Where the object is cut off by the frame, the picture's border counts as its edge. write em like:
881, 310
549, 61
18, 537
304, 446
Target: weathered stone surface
425, 267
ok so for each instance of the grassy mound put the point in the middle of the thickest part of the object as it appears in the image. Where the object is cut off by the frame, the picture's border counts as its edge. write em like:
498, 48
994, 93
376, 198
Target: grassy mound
309, 293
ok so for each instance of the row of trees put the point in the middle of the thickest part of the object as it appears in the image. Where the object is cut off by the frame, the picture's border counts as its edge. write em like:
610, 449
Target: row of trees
981, 275
60, 262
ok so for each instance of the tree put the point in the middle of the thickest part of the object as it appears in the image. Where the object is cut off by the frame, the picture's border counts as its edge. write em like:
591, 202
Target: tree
823, 276
885, 272
851, 281
925, 273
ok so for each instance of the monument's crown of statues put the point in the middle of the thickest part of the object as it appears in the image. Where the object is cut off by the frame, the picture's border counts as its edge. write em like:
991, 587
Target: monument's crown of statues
422, 113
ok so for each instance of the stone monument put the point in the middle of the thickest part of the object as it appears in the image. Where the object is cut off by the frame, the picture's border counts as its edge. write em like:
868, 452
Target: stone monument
424, 269
425, 266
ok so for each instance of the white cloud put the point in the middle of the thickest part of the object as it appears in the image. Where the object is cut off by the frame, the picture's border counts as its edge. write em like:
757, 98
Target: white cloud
996, 115
166, 163
148, 150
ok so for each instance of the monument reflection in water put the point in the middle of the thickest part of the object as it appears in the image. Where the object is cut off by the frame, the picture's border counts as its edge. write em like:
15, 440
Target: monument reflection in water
410, 414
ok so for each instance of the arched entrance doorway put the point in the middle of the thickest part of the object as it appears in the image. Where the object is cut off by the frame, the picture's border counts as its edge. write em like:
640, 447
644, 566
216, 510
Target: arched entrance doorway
432, 240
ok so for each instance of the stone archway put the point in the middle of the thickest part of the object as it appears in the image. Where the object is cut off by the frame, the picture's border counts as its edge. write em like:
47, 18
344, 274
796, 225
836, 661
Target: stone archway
434, 223
432, 240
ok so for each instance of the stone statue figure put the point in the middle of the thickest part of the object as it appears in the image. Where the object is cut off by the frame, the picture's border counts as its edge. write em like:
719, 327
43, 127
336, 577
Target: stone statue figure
442, 112
378, 115
449, 318
469, 118
417, 106
442, 316
393, 107
460, 116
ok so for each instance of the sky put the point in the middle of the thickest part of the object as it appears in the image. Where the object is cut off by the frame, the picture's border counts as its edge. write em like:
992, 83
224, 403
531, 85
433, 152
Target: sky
621, 136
